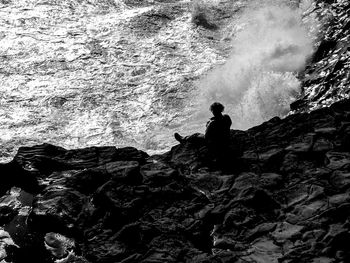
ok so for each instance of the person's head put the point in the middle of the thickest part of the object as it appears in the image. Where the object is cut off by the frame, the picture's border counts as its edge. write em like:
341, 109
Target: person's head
216, 108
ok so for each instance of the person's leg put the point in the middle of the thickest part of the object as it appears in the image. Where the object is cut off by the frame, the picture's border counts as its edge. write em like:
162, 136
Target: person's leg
196, 138
178, 137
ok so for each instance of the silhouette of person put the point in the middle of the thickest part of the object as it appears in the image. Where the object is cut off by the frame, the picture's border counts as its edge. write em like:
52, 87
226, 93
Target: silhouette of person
217, 133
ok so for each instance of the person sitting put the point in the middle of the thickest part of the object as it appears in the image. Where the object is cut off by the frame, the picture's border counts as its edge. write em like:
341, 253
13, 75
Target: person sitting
217, 133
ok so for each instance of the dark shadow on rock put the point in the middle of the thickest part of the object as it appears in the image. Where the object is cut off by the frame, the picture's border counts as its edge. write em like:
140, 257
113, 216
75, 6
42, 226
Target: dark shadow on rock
13, 174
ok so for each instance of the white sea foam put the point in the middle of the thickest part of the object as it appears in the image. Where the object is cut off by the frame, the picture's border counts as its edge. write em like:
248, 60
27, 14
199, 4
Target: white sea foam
259, 81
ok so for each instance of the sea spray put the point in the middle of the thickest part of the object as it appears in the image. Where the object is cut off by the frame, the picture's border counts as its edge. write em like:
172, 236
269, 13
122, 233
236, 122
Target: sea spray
258, 81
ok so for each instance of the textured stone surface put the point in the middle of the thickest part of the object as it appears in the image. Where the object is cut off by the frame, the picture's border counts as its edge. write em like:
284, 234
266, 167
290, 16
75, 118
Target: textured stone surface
326, 77
287, 202
285, 199
284, 196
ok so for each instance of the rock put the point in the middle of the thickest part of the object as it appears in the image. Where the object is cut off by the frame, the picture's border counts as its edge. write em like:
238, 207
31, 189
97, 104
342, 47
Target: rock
5, 241
261, 229
263, 251
328, 132
300, 147
208, 182
13, 174
7, 214
339, 199
258, 199
48, 158
330, 57
127, 171
306, 211
323, 260
286, 231
314, 235
58, 245
57, 209
288, 202
294, 163
158, 174
271, 181
322, 146
87, 180
338, 160
272, 159
340, 179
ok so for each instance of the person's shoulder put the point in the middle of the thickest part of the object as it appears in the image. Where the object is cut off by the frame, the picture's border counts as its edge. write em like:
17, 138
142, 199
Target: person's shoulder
227, 117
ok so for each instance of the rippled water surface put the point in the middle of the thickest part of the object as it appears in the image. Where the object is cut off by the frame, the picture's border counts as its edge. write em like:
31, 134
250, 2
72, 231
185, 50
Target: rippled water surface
79, 73
104, 72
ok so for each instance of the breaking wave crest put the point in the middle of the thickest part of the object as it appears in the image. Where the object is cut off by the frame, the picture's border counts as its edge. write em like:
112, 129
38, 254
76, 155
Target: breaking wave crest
259, 80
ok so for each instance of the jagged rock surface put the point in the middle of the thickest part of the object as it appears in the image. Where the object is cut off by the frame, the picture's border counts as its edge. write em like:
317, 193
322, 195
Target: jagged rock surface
326, 78
286, 199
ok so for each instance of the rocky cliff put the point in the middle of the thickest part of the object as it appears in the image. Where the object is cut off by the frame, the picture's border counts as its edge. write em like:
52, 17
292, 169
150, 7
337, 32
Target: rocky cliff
285, 197
285, 200
327, 77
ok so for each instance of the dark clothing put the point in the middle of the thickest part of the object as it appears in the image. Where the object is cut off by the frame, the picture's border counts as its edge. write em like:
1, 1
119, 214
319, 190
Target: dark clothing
217, 133
216, 139
218, 130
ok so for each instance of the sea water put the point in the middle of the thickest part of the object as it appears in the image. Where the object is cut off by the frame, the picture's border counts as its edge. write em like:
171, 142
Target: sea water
131, 73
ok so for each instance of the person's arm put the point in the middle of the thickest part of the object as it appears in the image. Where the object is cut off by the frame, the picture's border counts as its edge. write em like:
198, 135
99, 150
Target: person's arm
228, 121
209, 130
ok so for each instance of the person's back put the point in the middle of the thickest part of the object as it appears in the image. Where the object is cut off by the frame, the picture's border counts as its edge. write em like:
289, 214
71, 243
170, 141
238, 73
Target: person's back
218, 127
216, 137
218, 130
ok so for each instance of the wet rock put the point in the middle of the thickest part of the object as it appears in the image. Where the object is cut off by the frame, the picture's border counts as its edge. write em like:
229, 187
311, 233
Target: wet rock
339, 199
338, 160
293, 162
5, 242
87, 180
258, 199
272, 159
58, 245
158, 174
124, 171
337, 240
322, 146
288, 202
271, 181
263, 250
14, 174
285, 231
208, 182
340, 179
328, 132
330, 57
7, 214
323, 260
261, 230
306, 211
314, 235
57, 209
48, 158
